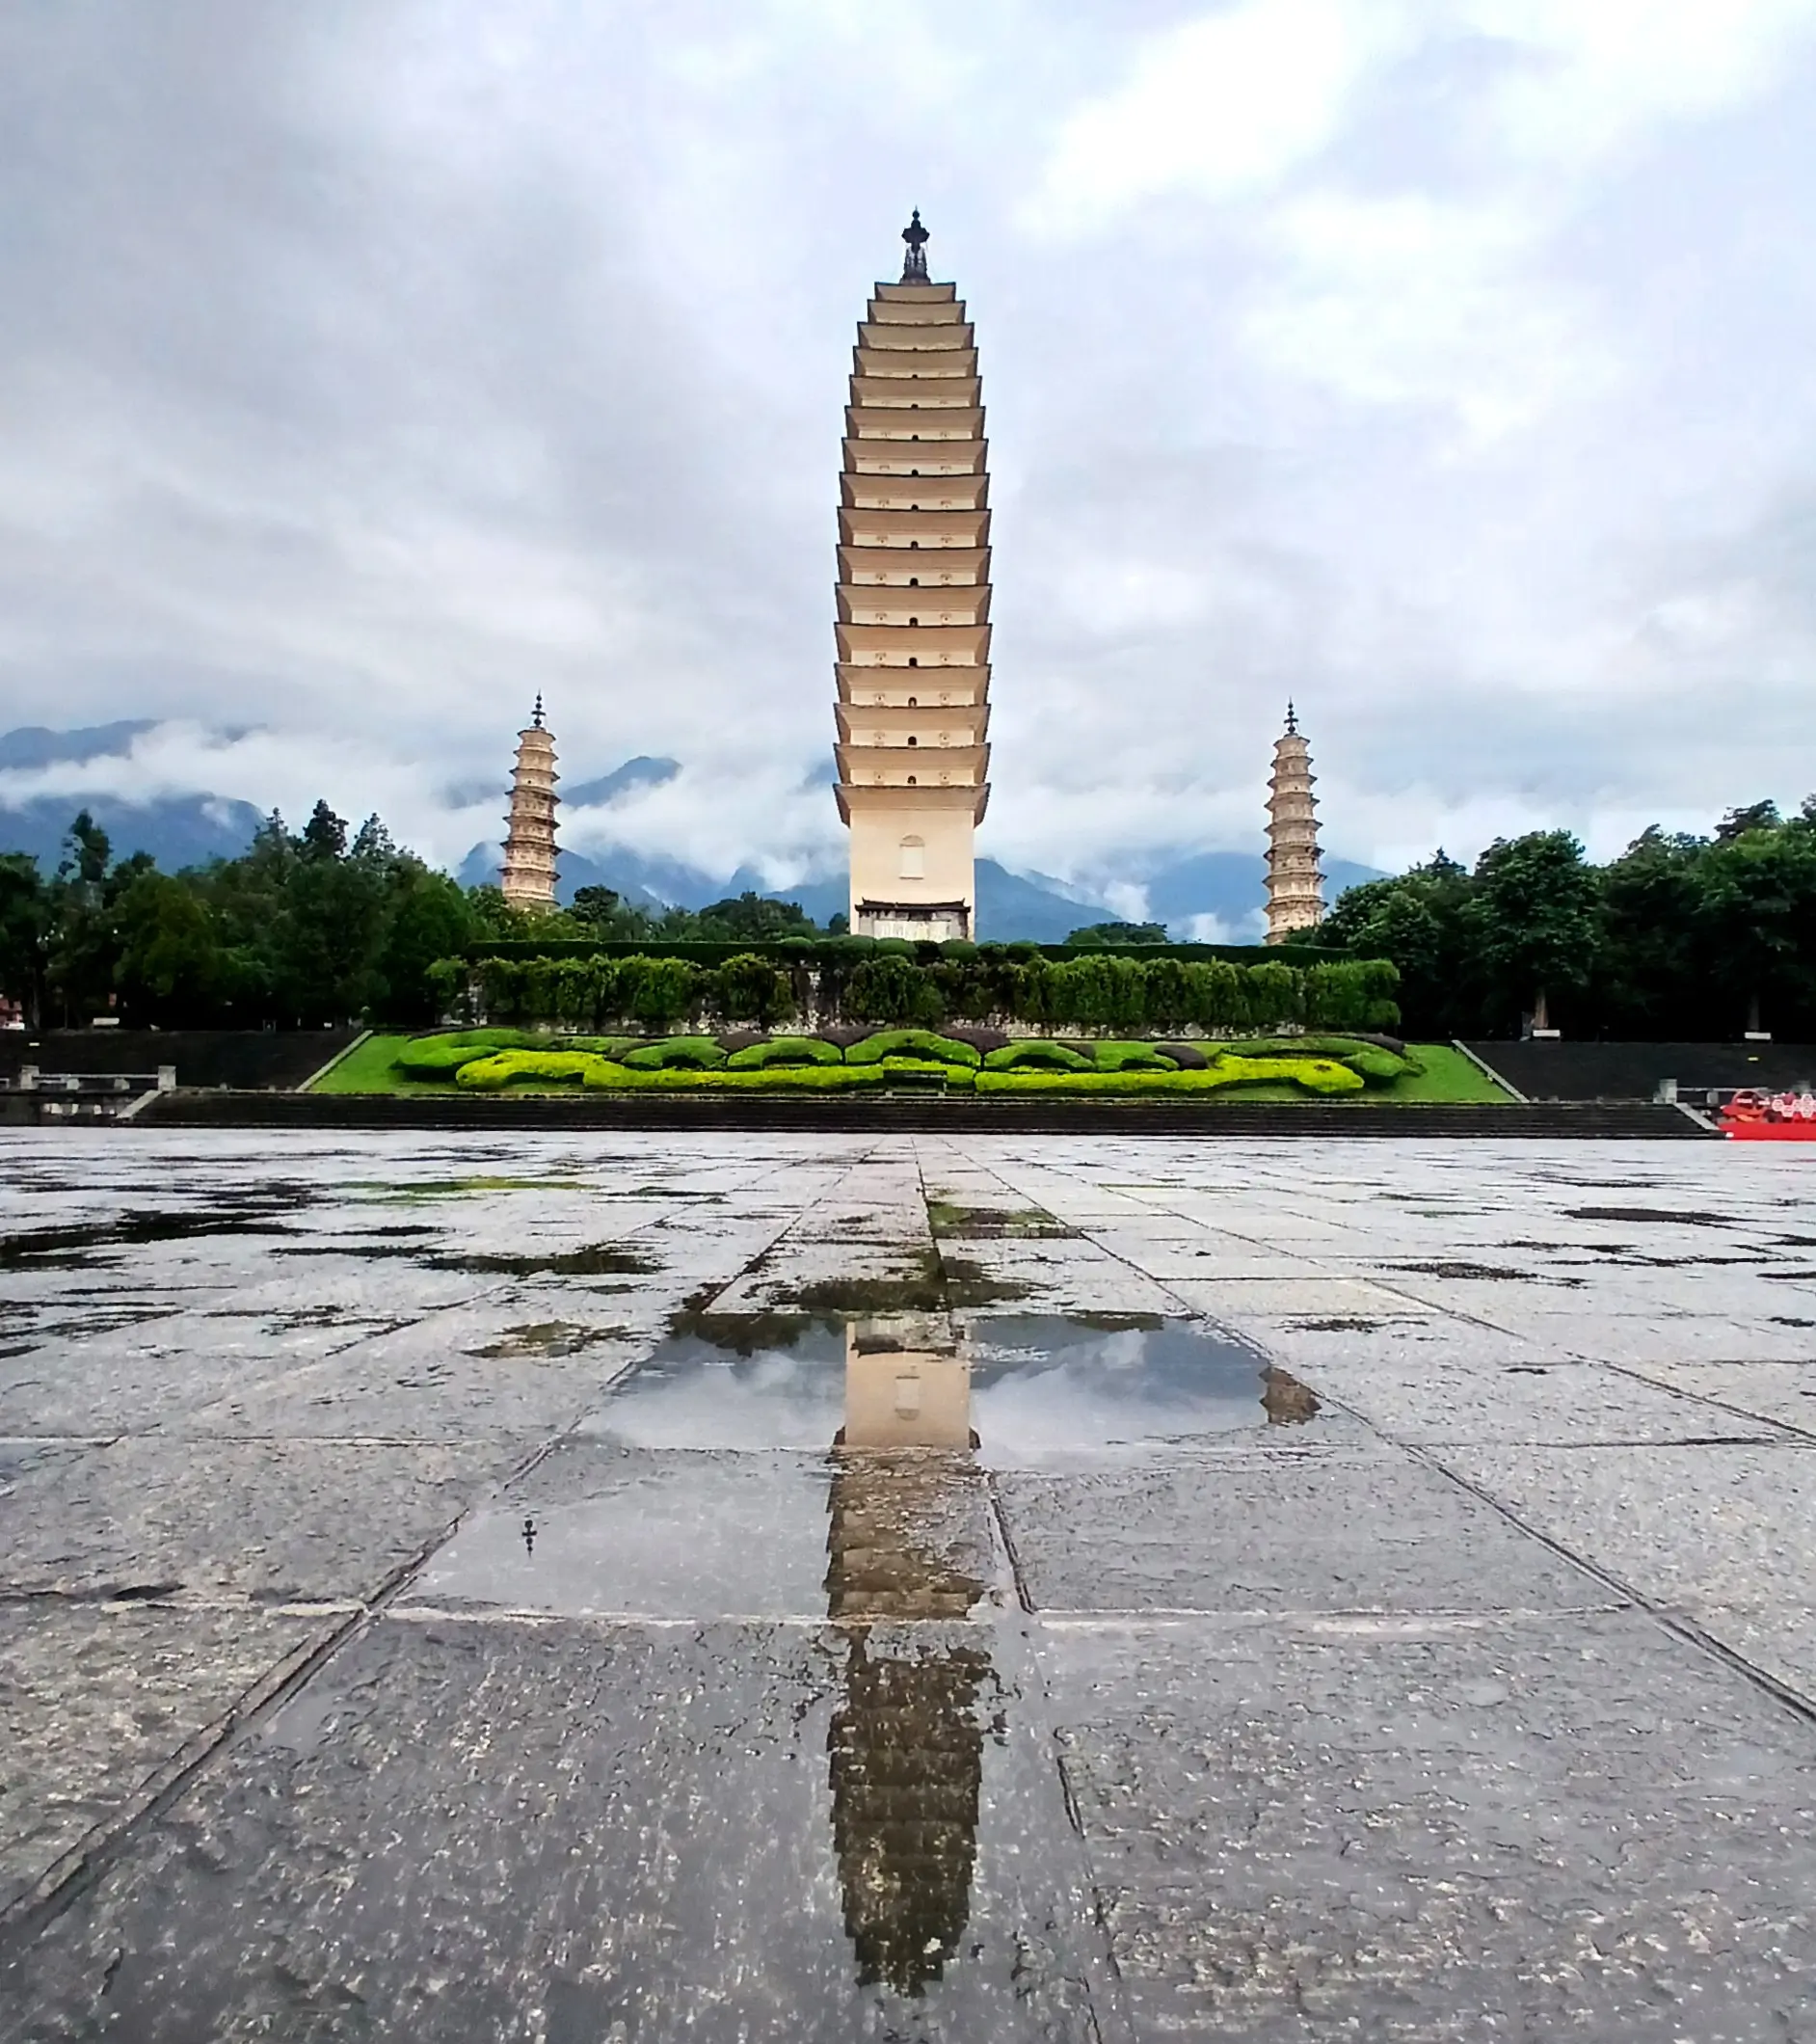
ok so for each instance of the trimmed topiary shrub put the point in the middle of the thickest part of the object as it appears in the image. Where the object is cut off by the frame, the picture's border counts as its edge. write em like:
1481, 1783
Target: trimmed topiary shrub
1037, 1054
1315, 1075
433, 1058
542, 1067
920, 1043
699, 1054
784, 1050
1111, 1056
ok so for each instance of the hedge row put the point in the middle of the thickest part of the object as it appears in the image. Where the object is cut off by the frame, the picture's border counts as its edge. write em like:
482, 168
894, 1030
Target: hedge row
1092, 991
503, 1068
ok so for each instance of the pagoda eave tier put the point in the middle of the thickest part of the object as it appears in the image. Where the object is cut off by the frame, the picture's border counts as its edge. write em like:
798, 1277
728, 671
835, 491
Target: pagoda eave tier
938, 605
958, 685
870, 567
922, 531
911, 457
965, 490
925, 645
930, 428
862, 759
870, 392
855, 797
972, 719
916, 296
901, 337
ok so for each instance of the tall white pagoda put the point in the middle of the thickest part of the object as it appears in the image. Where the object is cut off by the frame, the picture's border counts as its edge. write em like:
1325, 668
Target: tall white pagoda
913, 629
530, 845
1296, 887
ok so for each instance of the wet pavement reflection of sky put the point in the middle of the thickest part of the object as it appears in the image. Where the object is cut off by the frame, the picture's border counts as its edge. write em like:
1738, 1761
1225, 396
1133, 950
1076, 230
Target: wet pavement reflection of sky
1040, 1385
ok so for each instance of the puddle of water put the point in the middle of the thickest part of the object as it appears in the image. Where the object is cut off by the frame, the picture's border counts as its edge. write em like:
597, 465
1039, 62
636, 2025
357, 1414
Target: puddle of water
76, 1248
546, 1338
1017, 1386
1640, 1215
988, 1222
602, 1260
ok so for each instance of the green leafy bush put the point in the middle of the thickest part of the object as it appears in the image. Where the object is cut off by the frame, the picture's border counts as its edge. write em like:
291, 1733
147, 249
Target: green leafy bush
893, 983
1316, 1075
785, 1050
699, 1054
434, 1060
1038, 1054
1113, 1057
887, 986
657, 992
920, 1043
546, 1067
1374, 1061
750, 989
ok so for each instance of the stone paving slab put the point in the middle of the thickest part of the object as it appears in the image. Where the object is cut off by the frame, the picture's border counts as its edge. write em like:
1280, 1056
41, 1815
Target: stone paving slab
1708, 1531
1306, 1529
651, 1534
95, 1700
279, 1521
1418, 1399
558, 1832
1437, 1831
1783, 1392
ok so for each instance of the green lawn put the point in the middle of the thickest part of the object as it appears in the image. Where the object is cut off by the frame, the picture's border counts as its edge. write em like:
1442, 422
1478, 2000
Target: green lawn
1448, 1075
368, 1069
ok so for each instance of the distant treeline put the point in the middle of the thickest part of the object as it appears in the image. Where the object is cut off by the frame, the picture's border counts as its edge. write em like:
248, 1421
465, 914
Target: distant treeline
304, 928
1682, 937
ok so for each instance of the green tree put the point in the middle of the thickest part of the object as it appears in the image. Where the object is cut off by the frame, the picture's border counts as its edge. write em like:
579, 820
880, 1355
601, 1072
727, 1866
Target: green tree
84, 946
25, 922
1095, 937
1540, 921
1648, 980
750, 918
1424, 921
172, 966
1756, 916
430, 918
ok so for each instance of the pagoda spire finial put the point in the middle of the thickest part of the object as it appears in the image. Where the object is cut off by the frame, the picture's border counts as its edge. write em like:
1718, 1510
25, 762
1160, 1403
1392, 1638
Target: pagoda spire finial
536, 715
1292, 722
913, 269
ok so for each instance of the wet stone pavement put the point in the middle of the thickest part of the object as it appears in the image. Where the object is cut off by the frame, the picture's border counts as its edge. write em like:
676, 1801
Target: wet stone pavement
588, 1592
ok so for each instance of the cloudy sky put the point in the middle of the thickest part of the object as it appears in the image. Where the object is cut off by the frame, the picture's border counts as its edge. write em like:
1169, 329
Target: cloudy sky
1448, 364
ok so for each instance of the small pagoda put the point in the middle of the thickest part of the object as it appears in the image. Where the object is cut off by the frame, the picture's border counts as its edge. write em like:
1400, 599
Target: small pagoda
1296, 887
530, 845
913, 626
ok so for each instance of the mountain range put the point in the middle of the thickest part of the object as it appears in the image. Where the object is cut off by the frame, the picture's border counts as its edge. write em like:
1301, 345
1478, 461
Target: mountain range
1196, 893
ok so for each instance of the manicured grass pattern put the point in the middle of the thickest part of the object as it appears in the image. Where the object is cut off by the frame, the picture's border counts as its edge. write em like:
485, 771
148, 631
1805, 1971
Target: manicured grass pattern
1280, 1067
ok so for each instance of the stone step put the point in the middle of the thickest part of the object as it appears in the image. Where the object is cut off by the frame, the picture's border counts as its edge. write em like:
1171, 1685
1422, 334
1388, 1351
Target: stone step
944, 1113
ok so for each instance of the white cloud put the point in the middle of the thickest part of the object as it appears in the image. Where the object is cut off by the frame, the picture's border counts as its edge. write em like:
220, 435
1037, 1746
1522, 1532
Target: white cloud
1218, 106
1419, 299
1602, 72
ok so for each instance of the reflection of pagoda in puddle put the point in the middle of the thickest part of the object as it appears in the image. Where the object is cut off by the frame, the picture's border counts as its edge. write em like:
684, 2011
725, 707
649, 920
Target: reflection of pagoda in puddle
905, 1744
